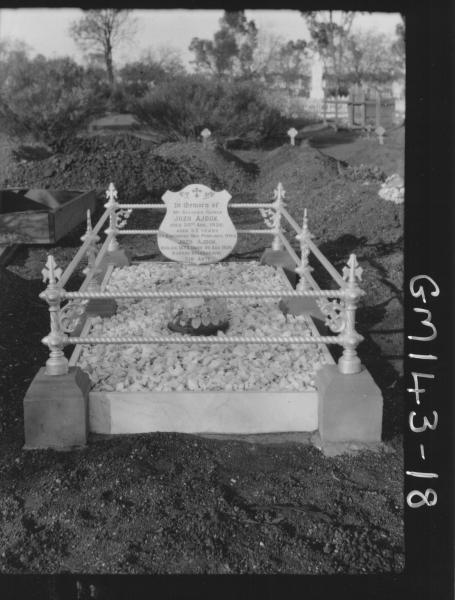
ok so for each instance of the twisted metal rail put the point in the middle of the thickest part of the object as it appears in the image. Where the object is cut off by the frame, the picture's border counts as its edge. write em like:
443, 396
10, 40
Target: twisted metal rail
82, 250
207, 339
325, 263
209, 294
118, 214
289, 248
164, 207
290, 220
158, 232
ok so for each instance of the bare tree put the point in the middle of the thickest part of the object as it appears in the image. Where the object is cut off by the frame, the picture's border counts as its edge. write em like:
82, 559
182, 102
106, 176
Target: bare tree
166, 56
330, 32
370, 58
100, 31
231, 52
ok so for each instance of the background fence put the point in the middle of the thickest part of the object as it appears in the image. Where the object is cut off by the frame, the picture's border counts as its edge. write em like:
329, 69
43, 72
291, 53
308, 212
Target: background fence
357, 110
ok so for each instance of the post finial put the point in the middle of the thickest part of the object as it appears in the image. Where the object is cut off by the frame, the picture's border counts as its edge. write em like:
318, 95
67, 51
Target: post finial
57, 363
279, 193
51, 272
111, 194
353, 271
305, 220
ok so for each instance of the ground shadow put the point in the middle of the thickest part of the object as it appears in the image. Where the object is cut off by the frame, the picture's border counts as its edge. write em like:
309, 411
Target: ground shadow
330, 137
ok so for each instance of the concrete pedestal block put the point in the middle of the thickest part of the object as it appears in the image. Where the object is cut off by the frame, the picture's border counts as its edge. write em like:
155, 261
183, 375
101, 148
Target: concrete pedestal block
119, 258
301, 306
104, 307
350, 407
331, 449
56, 410
280, 258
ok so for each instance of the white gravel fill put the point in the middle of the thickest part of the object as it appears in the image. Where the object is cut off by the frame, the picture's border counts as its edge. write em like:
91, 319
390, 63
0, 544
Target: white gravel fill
200, 367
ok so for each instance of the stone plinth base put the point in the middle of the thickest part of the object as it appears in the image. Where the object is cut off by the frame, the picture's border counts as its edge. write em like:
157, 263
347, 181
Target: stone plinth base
336, 448
56, 410
118, 257
280, 258
301, 306
349, 408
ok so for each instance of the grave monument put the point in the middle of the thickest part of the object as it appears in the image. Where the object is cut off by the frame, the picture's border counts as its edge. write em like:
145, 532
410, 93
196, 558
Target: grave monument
343, 406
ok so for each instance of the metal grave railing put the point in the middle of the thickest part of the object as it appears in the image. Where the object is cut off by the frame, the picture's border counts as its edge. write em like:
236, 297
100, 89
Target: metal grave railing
338, 305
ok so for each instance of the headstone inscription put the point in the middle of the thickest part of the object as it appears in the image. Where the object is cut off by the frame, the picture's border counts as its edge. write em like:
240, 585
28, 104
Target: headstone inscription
197, 228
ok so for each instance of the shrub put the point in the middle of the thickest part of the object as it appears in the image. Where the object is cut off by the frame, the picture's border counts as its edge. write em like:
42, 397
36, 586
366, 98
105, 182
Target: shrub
243, 112
47, 98
185, 105
179, 107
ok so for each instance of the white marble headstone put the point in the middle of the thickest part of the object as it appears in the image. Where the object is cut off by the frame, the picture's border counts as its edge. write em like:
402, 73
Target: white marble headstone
197, 228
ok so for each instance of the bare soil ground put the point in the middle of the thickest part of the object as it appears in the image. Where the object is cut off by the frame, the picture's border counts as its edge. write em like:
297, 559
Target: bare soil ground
170, 503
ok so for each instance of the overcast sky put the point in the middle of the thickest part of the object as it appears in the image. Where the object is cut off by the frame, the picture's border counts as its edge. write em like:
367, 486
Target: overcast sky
46, 30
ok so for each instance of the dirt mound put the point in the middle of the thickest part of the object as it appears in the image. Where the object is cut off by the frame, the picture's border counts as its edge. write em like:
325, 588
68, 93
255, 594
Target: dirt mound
336, 205
367, 151
89, 163
287, 158
211, 165
137, 167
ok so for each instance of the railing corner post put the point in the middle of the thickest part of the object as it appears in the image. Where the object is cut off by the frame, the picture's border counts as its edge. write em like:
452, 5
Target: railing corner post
111, 206
304, 268
57, 363
278, 194
349, 362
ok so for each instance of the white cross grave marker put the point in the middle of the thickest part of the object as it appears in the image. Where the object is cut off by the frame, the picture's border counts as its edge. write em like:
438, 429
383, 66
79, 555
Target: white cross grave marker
380, 133
205, 134
292, 133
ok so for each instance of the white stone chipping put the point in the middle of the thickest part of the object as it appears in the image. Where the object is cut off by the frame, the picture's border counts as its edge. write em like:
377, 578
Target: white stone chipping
200, 367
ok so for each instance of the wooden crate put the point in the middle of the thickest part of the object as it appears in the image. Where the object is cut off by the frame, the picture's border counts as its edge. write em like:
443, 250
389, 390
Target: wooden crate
36, 216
